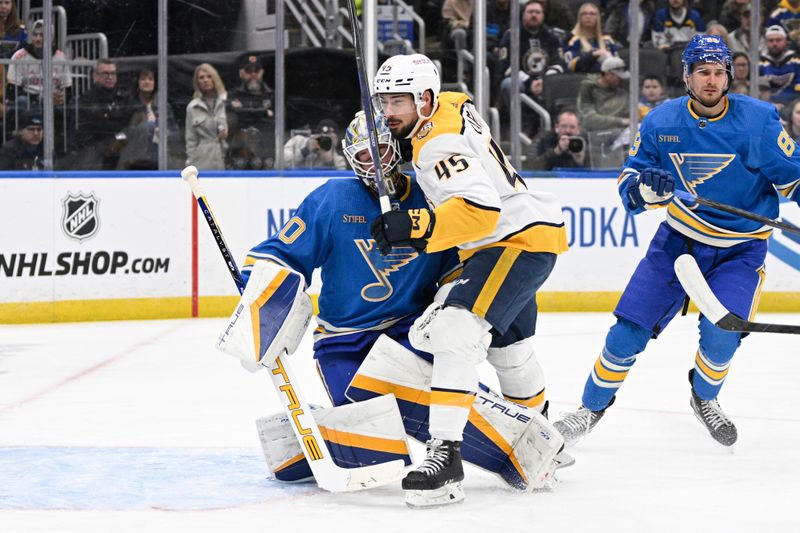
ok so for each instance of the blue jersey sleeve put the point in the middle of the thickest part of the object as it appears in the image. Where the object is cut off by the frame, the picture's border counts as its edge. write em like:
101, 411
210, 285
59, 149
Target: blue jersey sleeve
642, 154
303, 242
777, 156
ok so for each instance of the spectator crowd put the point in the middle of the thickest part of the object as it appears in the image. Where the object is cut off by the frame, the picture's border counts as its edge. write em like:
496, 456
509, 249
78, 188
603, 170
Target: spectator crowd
573, 64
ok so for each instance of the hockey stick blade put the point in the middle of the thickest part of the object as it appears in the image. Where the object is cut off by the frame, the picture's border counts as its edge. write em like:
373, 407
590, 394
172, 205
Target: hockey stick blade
689, 197
695, 285
328, 474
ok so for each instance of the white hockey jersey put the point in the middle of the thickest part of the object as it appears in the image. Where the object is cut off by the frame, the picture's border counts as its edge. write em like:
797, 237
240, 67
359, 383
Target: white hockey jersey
479, 199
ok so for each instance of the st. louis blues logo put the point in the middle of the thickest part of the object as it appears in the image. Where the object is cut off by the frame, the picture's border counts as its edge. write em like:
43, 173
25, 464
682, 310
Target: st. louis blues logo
80, 219
382, 266
694, 169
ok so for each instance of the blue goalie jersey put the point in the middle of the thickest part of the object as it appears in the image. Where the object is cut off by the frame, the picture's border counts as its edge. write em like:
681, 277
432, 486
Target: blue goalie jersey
740, 158
361, 289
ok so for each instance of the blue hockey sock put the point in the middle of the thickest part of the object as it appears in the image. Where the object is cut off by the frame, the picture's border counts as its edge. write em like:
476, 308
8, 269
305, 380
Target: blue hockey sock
713, 359
623, 342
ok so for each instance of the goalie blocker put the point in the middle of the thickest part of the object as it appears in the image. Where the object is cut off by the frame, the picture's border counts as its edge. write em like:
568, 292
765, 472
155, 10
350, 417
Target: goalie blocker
516, 443
271, 317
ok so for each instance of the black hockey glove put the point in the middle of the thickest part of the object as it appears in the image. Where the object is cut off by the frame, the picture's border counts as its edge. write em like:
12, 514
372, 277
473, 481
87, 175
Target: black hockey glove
403, 228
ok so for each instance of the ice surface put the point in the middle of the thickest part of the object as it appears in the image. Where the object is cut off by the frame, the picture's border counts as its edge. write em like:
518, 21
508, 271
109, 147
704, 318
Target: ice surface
143, 426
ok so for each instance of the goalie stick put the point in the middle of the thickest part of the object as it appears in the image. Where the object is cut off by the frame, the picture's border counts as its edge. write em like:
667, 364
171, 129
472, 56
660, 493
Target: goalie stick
701, 294
689, 197
328, 474
369, 111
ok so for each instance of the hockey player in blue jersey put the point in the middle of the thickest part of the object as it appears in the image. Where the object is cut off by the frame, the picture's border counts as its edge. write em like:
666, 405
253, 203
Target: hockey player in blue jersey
728, 148
367, 304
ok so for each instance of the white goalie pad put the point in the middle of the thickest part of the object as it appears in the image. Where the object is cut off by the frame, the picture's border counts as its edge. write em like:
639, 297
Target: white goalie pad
271, 317
356, 433
528, 438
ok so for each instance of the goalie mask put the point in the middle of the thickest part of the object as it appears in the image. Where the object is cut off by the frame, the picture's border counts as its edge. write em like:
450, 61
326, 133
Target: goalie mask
355, 146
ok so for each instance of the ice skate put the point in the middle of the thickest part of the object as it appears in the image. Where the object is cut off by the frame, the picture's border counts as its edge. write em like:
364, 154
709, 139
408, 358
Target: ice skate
437, 481
713, 418
575, 426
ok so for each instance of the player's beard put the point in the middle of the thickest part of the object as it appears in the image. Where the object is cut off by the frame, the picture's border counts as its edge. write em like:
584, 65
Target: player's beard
404, 132
710, 102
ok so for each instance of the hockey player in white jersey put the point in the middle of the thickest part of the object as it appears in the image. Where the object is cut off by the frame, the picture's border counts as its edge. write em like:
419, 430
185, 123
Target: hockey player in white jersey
508, 238
367, 304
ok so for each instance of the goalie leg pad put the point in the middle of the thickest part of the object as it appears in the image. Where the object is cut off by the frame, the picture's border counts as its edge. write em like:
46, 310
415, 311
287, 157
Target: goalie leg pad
365, 433
493, 437
519, 373
271, 317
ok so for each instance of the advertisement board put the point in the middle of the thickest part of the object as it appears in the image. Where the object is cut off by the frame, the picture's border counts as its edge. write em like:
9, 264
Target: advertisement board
110, 246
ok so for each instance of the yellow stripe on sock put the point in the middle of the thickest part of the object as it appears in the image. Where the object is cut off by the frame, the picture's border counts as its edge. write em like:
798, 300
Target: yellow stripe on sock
606, 374
707, 370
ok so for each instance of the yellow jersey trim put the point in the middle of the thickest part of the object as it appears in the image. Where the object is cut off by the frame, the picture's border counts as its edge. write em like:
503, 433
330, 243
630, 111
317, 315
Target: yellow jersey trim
459, 221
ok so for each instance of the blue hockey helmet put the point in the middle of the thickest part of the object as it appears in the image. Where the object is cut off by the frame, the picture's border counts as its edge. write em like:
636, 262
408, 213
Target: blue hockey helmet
707, 49
356, 140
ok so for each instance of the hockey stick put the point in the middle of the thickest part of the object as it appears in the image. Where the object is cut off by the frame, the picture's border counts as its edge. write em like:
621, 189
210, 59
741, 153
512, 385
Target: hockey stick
701, 294
689, 197
328, 474
369, 111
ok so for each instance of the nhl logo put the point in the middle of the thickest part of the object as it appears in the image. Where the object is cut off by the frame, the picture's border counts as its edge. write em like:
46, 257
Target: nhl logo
80, 220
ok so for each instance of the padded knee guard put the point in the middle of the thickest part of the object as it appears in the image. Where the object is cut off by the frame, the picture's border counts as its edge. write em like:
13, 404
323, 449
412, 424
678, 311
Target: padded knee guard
455, 330
519, 373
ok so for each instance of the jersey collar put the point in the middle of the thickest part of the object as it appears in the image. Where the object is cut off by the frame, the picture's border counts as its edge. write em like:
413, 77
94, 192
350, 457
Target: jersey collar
709, 119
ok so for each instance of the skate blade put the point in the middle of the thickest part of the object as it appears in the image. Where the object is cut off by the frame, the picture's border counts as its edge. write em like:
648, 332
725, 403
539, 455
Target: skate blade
563, 460
429, 499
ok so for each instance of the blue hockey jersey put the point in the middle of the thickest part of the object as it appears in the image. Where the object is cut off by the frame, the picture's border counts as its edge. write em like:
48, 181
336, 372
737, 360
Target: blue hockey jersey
740, 158
361, 289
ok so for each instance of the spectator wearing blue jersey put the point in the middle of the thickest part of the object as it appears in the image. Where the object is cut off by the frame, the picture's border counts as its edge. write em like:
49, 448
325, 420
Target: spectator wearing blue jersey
673, 26
780, 67
731, 149
652, 94
12, 32
540, 54
787, 14
586, 47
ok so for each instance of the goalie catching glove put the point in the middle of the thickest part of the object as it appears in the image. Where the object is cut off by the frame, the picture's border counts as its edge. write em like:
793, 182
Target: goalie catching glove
403, 228
650, 189
271, 317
